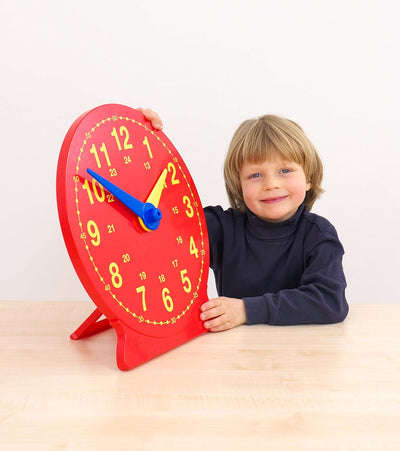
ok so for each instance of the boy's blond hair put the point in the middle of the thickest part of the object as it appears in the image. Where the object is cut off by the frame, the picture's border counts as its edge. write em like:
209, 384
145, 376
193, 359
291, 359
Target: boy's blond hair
256, 140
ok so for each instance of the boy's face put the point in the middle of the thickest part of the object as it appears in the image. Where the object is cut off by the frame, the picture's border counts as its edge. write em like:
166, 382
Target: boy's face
274, 189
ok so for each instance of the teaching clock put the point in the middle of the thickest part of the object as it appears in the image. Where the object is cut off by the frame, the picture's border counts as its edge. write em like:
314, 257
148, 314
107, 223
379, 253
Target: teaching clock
135, 231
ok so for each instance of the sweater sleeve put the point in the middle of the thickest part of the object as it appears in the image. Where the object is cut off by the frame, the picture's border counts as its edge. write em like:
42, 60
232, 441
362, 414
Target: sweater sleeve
320, 298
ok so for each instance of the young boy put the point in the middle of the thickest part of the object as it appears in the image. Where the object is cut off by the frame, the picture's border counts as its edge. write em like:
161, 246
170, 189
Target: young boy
274, 262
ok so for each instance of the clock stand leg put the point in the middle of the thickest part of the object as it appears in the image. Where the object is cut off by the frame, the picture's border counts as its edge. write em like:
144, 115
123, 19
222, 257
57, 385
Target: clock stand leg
134, 348
91, 326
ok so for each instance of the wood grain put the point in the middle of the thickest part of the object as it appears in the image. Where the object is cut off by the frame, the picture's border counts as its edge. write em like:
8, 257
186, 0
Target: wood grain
253, 387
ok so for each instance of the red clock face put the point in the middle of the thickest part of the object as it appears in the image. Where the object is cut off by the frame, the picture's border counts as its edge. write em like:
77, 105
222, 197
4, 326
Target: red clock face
153, 281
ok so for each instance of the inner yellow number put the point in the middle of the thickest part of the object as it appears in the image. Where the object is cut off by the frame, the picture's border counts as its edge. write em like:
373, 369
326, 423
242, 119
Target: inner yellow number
94, 233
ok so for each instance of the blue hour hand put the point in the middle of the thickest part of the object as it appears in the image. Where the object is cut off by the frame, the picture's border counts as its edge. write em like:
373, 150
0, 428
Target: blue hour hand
147, 212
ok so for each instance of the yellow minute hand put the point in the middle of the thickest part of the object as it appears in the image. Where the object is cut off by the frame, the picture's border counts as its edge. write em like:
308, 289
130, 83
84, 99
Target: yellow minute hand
155, 195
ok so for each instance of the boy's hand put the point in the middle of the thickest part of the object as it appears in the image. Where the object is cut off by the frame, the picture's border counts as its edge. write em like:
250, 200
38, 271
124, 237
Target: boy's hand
152, 116
223, 313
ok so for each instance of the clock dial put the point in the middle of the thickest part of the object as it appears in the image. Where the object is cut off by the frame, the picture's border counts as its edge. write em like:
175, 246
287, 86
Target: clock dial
152, 280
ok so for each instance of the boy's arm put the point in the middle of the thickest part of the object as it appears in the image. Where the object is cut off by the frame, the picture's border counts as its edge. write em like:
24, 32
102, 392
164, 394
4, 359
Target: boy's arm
320, 298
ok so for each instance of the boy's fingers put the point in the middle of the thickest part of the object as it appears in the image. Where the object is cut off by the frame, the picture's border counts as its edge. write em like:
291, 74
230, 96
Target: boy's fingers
209, 305
211, 312
152, 116
215, 323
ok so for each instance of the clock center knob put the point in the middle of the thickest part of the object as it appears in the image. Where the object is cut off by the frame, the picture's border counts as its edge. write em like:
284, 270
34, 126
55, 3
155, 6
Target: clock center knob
152, 216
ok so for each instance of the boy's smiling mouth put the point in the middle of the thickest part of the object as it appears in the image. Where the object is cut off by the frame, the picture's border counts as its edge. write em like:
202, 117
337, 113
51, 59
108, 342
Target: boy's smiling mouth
273, 200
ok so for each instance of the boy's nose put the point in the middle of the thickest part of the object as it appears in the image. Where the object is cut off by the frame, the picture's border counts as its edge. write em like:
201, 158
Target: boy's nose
271, 182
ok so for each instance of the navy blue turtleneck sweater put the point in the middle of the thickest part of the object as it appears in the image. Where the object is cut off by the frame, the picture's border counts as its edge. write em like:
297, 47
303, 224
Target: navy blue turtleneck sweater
288, 272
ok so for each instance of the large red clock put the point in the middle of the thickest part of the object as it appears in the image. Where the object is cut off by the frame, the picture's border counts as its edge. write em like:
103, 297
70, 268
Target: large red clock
135, 231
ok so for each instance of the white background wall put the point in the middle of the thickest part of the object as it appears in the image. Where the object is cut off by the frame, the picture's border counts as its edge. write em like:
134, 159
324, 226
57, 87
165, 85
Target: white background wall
333, 66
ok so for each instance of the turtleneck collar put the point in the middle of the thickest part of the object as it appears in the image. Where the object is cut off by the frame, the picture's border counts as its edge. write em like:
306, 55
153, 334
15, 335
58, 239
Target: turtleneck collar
272, 230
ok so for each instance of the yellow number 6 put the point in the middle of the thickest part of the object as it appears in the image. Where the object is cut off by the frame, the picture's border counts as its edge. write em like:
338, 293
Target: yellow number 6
168, 303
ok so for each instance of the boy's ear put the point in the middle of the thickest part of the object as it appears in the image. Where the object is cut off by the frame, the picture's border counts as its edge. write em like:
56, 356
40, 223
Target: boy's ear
308, 186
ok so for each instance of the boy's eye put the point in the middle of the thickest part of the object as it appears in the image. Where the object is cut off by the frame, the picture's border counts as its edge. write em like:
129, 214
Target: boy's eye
285, 171
255, 176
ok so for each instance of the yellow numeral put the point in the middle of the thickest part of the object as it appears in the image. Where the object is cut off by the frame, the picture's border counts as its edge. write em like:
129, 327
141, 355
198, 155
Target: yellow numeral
97, 189
168, 303
174, 180
142, 289
103, 149
116, 278
123, 132
193, 248
187, 285
110, 198
94, 233
146, 143
189, 211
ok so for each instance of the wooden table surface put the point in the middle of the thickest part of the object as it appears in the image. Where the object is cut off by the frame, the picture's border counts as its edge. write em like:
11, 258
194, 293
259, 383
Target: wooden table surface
253, 387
